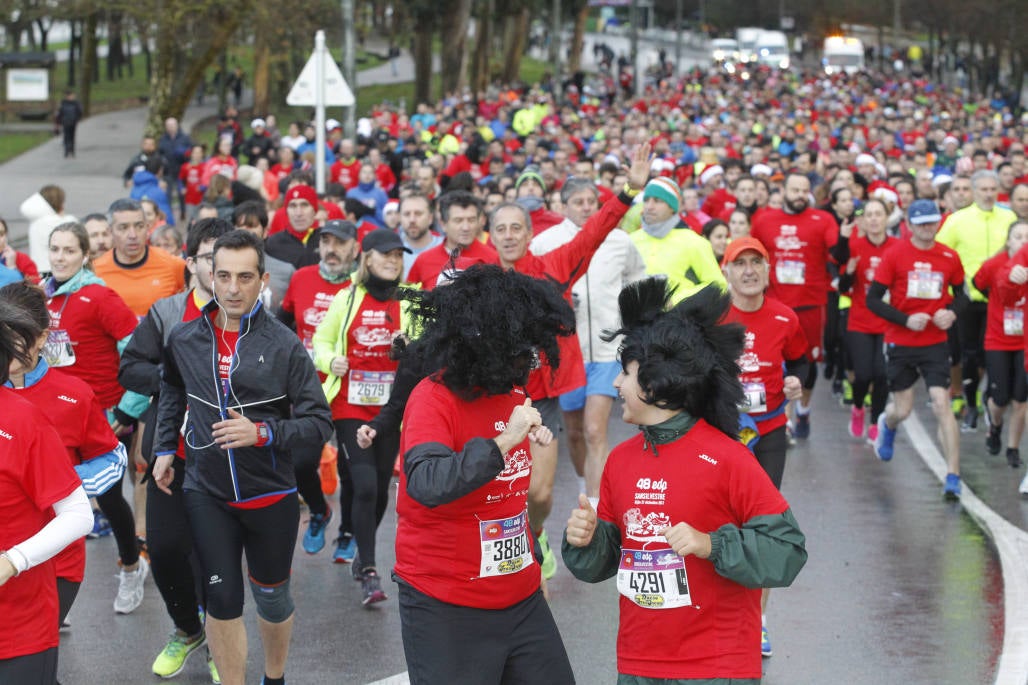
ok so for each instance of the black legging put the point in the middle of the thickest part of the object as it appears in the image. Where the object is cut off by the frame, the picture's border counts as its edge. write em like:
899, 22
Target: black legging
971, 323
123, 524
222, 534
31, 669
867, 355
1006, 376
170, 543
770, 453
371, 471
308, 483
67, 591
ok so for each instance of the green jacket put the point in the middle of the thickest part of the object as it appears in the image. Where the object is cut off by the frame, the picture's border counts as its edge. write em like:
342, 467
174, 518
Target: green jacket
331, 334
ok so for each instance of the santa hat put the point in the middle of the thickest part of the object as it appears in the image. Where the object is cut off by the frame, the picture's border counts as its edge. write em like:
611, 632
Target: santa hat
710, 172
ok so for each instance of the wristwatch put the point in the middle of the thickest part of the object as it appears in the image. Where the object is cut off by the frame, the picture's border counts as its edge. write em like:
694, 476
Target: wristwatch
263, 434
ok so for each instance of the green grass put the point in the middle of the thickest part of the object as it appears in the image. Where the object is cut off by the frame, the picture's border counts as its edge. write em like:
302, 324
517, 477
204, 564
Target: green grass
13, 144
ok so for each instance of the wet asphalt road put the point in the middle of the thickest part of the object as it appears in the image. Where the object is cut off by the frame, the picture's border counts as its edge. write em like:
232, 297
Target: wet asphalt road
901, 587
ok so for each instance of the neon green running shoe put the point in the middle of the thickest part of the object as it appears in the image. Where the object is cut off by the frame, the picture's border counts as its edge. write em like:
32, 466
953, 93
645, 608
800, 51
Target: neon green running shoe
172, 659
549, 566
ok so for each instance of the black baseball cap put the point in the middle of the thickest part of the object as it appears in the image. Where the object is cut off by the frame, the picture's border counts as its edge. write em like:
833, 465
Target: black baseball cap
340, 228
383, 240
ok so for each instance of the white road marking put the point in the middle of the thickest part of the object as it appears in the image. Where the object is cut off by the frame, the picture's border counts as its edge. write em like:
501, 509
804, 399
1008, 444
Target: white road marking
1011, 543
399, 679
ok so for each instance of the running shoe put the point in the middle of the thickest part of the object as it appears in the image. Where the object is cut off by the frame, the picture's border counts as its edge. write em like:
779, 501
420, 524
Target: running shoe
992, 441
836, 387
101, 526
144, 551
884, 439
130, 588
872, 433
371, 588
172, 659
549, 566
314, 538
765, 642
65, 626
802, 429
1014, 457
956, 405
952, 488
346, 550
1023, 487
857, 422
215, 676
847, 393
970, 423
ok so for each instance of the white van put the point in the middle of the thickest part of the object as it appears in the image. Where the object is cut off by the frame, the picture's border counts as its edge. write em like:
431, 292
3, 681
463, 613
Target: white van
773, 49
748, 37
842, 54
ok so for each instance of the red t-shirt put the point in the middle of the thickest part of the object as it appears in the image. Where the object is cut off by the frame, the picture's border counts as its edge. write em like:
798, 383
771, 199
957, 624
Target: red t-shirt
441, 550
1004, 323
307, 299
79, 419
717, 201
280, 219
430, 263
868, 256
918, 282
26, 267
798, 245
95, 318
773, 336
34, 475
191, 175
368, 342
705, 479
345, 173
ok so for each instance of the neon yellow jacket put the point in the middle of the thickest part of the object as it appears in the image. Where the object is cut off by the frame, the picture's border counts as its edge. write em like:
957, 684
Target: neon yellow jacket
330, 337
976, 235
686, 258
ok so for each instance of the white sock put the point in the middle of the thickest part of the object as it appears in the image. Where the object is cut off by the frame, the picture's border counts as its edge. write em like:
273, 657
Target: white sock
801, 410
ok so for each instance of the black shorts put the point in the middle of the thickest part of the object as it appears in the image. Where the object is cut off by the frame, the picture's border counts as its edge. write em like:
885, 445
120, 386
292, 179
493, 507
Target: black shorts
447, 643
223, 534
553, 417
905, 364
1006, 376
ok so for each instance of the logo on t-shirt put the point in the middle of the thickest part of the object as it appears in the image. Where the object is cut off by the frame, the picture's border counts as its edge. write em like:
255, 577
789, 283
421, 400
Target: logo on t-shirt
518, 464
645, 528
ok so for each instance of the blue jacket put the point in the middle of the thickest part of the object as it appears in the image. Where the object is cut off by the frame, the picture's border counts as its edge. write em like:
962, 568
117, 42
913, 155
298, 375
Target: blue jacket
145, 186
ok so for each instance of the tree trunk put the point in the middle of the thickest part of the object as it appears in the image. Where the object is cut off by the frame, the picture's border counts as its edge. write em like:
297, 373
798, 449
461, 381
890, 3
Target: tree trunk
169, 96
578, 39
88, 61
423, 58
517, 38
452, 69
483, 38
261, 72
74, 46
44, 32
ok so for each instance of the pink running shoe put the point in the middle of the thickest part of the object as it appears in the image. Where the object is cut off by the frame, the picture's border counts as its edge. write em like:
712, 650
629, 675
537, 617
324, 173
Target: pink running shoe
872, 433
857, 422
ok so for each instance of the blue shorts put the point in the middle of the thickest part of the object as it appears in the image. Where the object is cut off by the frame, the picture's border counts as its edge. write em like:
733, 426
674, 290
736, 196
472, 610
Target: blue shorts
599, 380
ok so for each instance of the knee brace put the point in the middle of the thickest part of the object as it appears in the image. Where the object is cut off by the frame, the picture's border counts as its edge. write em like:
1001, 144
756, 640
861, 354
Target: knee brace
274, 604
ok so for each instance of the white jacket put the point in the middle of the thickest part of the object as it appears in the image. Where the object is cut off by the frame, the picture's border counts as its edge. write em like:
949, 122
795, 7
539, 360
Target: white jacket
42, 220
595, 295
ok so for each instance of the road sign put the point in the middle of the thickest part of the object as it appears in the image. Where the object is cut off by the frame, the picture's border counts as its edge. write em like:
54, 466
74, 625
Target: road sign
337, 92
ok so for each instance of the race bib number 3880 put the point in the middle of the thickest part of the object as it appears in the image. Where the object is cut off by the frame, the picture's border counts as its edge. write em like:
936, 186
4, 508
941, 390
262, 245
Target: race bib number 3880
505, 548
653, 579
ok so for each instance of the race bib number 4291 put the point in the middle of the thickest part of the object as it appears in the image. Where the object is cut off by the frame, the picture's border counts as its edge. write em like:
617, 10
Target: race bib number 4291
653, 579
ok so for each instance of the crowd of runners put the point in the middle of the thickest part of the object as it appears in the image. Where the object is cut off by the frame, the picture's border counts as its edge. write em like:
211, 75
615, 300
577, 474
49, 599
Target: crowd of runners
482, 280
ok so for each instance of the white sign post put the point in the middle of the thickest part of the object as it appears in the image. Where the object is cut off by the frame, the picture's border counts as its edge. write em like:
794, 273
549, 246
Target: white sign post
320, 84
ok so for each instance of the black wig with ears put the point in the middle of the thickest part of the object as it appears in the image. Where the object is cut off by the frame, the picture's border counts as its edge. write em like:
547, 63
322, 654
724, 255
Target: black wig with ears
482, 333
686, 355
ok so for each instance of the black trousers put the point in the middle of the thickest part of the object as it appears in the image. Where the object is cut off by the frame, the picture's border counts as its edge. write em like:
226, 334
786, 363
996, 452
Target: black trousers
170, 543
446, 643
